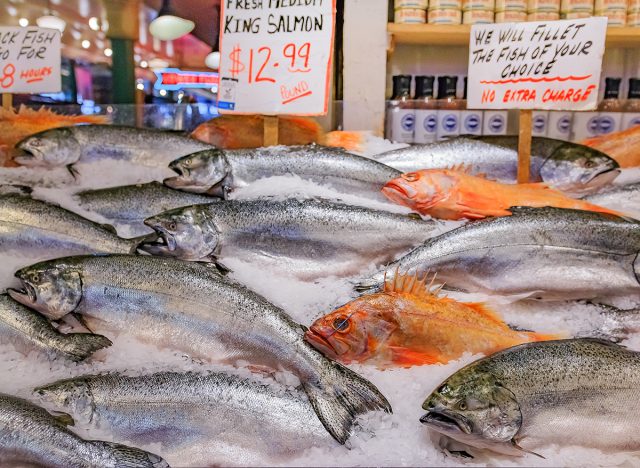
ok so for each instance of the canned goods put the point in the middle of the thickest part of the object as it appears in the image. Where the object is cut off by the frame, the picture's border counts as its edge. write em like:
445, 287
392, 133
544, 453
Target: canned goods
541, 6
576, 6
577, 15
445, 5
510, 16
543, 16
633, 19
602, 5
508, 5
615, 17
486, 5
410, 15
477, 17
445, 16
422, 4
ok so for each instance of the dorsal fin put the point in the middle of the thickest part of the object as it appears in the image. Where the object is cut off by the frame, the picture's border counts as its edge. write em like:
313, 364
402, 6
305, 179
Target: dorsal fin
412, 284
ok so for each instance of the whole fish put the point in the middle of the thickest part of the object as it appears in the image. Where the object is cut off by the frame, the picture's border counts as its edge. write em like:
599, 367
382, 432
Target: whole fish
30, 436
27, 330
546, 253
569, 392
453, 194
190, 307
218, 172
65, 146
130, 204
259, 420
308, 238
407, 324
565, 166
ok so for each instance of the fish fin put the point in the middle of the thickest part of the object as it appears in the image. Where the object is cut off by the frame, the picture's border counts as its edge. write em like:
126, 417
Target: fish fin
414, 216
82, 345
63, 418
21, 190
411, 284
73, 171
350, 141
80, 318
130, 457
109, 228
221, 267
486, 312
340, 396
547, 336
366, 286
517, 447
405, 357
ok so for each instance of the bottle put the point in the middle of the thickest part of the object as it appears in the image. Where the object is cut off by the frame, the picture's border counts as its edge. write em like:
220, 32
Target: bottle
631, 116
401, 116
426, 113
610, 118
470, 119
448, 108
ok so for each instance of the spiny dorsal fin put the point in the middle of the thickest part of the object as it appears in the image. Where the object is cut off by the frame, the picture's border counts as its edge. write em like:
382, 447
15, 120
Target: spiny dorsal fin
413, 285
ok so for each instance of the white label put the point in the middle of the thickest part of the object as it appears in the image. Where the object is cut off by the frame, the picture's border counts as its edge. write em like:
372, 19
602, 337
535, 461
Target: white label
559, 125
539, 121
536, 65
402, 125
629, 119
279, 52
495, 123
585, 125
426, 129
471, 122
29, 60
448, 123
609, 122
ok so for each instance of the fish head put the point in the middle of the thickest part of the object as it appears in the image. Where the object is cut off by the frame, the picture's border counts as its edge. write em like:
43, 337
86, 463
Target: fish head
354, 332
420, 189
474, 408
51, 148
201, 172
71, 396
578, 169
53, 289
185, 233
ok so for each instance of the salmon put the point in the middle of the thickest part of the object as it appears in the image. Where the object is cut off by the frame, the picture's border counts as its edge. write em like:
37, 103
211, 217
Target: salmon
410, 324
453, 194
623, 146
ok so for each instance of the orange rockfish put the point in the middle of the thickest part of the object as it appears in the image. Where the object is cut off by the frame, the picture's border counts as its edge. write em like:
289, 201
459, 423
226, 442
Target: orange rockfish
407, 324
454, 194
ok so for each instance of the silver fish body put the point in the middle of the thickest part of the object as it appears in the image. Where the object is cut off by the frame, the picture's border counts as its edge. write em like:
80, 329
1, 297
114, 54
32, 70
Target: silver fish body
566, 166
190, 307
581, 392
219, 172
257, 420
27, 330
30, 436
308, 238
625, 198
546, 253
130, 205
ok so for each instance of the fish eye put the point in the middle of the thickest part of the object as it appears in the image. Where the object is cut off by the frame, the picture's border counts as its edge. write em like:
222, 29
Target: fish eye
462, 405
590, 164
35, 277
36, 142
188, 162
341, 324
410, 177
173, 225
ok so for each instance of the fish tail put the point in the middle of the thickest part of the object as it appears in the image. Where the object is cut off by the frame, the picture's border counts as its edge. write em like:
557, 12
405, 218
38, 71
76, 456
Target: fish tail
80, 346
533, 336
130, 457
341, 397
350, 141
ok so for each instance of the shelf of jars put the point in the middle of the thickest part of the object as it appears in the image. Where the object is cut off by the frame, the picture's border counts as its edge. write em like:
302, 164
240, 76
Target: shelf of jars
458, 35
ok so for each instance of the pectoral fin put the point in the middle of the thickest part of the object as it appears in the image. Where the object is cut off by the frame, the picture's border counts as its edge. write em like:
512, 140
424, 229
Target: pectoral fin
405, 357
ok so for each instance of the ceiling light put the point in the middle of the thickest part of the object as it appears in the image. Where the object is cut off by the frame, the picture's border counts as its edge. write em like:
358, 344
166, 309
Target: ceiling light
213, 60
167, 27
93, 23
144, 64
51, 22
24, 22
140, 86
108, 52
86, 44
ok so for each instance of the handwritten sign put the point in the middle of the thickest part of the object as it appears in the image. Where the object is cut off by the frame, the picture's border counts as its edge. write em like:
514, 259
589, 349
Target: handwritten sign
173, 79
539, 65
29, 60
275, 56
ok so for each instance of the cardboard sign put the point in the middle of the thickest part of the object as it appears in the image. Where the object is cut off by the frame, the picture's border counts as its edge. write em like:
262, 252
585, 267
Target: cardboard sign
29, 60
275, 56
539, 65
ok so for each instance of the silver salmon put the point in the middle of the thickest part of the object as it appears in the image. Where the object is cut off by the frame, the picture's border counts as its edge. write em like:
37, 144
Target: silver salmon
566, 166
30, 436
309, 238
190, 307
546, 253
570, 392
219, 172
627, 197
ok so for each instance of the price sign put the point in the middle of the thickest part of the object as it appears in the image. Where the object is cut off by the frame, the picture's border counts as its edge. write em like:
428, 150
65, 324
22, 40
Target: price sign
275, 56
539, 65
29, 60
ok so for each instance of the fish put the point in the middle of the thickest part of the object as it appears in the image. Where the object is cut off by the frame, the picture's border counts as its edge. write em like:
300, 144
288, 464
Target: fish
621, 146
565, 166
129, 205
190, 307
220, 172
307, 238
65, 146
542, 253
257, 420
27, 330
410, 324
580, 392
31, 436
454, 194
618, 195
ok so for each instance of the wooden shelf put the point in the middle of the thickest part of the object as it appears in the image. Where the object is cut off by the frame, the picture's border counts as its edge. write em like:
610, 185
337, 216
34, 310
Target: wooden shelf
458, 35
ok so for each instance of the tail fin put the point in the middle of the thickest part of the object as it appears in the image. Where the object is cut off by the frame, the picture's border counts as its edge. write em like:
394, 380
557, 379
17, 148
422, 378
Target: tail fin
79, 346
130, 457
341, 397
547, 337
351, 141
21, 190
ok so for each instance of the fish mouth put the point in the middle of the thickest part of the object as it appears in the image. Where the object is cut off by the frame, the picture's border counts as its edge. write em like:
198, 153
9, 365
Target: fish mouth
27, 297
28, 157
603, 178
446, 421
315, 339
162, 243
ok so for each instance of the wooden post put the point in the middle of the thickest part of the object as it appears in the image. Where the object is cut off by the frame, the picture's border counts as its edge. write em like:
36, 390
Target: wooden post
524, 146
270, 136
7, 101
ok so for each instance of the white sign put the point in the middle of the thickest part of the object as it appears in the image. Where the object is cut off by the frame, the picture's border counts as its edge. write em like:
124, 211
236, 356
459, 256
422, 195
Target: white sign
539, 65
29, 60
275, 56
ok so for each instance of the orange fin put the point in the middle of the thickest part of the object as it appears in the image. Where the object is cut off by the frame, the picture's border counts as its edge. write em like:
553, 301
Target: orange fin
486, 312
351, 141
405, 357
412, 284
546, 337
